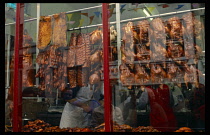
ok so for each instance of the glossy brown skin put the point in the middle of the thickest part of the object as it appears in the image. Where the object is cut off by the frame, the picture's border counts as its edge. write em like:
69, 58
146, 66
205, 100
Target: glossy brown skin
59, 29
184, 129
176, 28
96, 36
141, 76
157, 31
192, 26
86, 130
174, 74
157, 73
175, 51
144, 31
129, 34
158, 53
96, 57
190, 75
126, 76
45, 32
143, 53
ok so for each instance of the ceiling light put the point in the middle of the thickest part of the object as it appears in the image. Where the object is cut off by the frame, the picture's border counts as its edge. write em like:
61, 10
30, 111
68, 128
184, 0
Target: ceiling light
147, 13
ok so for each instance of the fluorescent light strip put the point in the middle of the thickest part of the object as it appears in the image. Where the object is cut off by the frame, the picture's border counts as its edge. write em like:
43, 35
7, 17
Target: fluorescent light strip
147, 14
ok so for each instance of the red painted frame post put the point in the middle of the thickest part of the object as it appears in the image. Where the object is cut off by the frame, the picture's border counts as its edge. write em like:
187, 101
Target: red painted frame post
17, 92
107, 89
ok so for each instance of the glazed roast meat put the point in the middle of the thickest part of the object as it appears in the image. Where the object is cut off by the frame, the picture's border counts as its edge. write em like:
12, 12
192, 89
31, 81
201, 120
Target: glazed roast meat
157, 73
128, 55
27, 43
129, 33
96, 57
53, 58
96, 37
83, 76
73, 39
59, 30
175, 51
141, 76
52, 68
190, 75
159, 53
144, 31
94, 78
83, 48
71, 61
192, 26
71, 54
157, 31
27, 72
142, 53
45, 32
174, 73
126, 77
72, 77
130, 38
176, 28
192, 51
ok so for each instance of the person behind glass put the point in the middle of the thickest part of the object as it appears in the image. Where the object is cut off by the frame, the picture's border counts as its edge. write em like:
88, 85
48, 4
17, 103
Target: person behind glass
197, 105
76, 112
98, 114
129, 109
161, 113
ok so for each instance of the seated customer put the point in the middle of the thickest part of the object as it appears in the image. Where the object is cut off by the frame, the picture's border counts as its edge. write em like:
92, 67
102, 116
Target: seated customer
98, 114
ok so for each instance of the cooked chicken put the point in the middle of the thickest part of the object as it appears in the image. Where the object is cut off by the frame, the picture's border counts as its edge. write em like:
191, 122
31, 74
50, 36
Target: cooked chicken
159, 53
174, 73
175, 28
96, 37
141, 76
126, 77
175, 50
144, 31
157, 73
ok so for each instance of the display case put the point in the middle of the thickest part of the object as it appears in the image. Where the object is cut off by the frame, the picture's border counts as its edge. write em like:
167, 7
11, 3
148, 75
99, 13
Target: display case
105, 67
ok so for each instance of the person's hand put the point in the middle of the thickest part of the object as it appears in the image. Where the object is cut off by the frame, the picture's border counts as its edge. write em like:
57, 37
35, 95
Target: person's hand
86, 108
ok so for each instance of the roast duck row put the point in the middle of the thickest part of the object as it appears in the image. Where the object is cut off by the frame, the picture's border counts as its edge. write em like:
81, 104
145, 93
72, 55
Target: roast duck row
158, 40
153, 43
41, 126
140, 74
77, 63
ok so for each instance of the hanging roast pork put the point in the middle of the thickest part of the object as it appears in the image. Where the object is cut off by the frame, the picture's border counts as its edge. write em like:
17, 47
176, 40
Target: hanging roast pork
59, 30
45, 32
71, 61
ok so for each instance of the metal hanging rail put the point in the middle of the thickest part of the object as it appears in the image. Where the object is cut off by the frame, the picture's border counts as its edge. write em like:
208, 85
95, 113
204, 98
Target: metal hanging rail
32, 19
160, 15
139, 18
